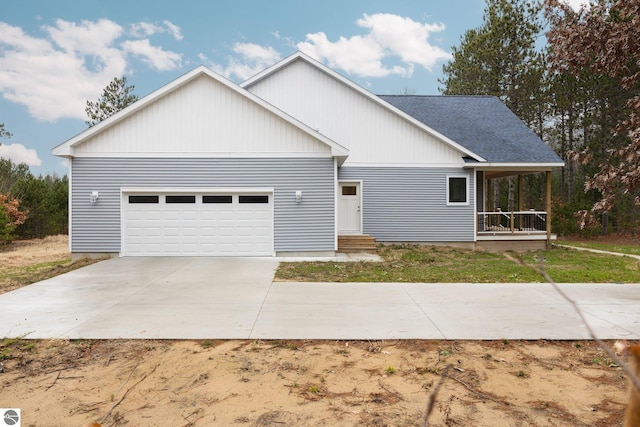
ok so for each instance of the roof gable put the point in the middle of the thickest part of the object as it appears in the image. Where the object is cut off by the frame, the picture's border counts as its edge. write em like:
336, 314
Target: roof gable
483, 124
200, 113
275, 96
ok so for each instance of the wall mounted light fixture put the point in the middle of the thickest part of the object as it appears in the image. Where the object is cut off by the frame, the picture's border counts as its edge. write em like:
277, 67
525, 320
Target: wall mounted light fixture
298, 196
94, 197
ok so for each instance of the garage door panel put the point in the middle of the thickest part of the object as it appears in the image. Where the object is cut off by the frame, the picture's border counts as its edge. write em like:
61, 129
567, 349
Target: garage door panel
173, 229
189, 216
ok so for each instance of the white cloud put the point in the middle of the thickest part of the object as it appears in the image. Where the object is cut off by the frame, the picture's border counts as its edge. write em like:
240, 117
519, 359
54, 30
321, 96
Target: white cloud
357, 55
173, 29
18, 153
252, 59
391, 45
287, 40
389, 36
156, 57
146, 29
54, 75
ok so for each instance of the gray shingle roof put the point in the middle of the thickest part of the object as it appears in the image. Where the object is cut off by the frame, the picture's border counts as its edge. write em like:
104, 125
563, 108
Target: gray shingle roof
482, 124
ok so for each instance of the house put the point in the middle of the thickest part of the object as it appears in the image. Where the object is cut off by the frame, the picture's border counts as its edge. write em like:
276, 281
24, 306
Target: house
288, 161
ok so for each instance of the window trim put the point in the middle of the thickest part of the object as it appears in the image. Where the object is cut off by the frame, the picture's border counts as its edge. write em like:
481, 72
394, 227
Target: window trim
467, 196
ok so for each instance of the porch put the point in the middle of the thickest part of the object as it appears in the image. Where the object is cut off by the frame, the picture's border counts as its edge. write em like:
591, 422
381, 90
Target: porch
520, 231
498, 223
517, 229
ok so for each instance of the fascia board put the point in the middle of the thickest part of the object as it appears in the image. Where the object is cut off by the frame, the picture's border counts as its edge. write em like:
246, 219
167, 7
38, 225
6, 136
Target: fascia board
513, 166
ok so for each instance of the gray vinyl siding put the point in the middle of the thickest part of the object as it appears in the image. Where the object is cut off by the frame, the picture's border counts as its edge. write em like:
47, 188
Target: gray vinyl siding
306, 226
410, 204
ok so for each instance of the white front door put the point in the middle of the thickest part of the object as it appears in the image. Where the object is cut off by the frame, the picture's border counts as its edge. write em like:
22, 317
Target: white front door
349, 206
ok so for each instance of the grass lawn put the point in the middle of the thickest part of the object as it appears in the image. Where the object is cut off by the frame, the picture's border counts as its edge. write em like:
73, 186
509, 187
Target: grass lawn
603, 246
431, 264
18, 276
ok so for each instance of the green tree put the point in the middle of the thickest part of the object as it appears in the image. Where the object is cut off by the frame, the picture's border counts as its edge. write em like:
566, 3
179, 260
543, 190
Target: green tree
10, 174
46, 198
115, 97
500, 58
4, 133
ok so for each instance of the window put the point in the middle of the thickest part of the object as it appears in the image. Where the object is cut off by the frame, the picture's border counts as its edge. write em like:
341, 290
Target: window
457, 190
254, 199
144, 199
181, 199
217, 199
349, 190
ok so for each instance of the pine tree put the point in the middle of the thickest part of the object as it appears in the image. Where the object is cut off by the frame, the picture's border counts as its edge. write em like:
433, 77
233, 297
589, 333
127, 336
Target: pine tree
4, 133
500, 58
115, 97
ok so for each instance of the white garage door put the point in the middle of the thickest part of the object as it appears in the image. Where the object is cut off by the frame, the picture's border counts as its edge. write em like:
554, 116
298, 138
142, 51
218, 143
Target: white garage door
188, 224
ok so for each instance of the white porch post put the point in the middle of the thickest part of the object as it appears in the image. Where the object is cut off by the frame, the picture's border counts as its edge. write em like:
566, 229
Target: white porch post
548, 207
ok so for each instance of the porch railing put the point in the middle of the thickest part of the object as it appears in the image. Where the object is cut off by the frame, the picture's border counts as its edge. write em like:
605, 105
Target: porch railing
524, 222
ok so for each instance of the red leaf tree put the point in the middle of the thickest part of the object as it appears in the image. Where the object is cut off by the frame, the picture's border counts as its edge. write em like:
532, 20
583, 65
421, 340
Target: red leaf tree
10, 216
604, 39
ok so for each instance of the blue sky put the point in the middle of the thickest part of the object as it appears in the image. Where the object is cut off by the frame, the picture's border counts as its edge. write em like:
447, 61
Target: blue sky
55, 55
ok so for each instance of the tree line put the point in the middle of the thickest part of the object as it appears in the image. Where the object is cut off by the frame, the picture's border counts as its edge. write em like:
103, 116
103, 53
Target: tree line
31, 206
574, 78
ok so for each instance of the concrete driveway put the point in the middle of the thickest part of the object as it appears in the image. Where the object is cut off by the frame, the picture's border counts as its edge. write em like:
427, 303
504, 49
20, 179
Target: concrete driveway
207, 298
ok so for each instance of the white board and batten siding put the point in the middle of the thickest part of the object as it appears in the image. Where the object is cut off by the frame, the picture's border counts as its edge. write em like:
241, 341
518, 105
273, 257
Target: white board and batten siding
374, 134
203, 118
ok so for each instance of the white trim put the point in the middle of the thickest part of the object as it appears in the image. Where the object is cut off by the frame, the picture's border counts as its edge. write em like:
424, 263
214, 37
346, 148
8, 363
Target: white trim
301, 56
475, 203
336, 189
123, 221
468, 201
513, 166
70, 204
197, 190
223, 155
403, 165
66, 148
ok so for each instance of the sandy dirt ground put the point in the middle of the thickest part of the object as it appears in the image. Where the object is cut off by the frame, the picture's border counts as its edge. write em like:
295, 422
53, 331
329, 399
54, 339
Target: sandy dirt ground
309, 383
